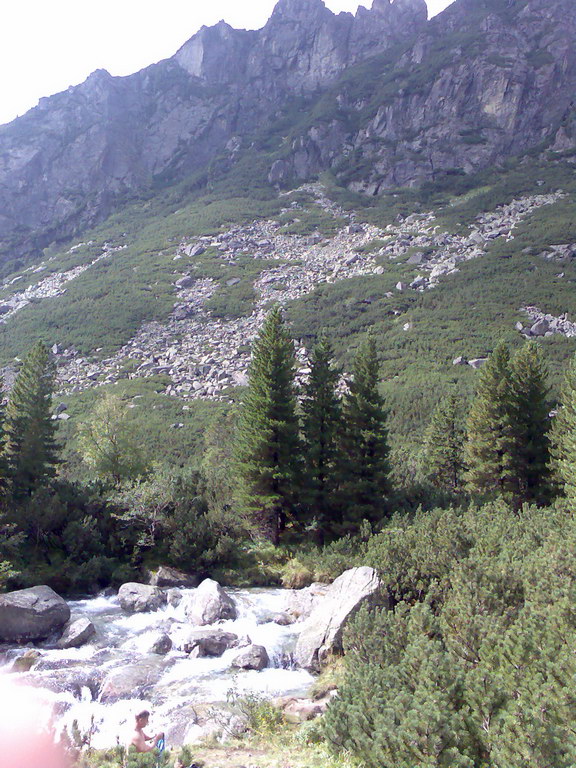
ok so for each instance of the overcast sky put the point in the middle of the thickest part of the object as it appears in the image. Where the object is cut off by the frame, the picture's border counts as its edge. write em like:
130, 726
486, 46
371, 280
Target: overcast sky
47, 45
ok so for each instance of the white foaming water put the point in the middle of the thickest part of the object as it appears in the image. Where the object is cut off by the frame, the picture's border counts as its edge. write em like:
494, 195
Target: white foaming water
104, 683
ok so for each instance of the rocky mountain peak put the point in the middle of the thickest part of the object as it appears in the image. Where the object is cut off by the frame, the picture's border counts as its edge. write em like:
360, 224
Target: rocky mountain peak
298, 10
417, 9
436, 104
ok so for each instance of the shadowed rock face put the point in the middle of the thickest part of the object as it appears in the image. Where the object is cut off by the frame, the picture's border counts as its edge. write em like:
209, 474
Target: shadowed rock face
486, 79
66, 163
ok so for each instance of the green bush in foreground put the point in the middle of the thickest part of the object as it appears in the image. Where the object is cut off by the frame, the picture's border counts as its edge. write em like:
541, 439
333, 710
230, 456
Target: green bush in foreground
474, 667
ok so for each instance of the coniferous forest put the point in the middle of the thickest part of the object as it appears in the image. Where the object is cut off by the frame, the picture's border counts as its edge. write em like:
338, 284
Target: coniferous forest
467, 658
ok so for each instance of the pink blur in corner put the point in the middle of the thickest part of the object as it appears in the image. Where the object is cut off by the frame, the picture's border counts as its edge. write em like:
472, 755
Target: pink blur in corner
25, 738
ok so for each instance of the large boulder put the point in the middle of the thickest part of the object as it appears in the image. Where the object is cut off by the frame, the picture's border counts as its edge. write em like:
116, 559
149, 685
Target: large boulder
301, 602
77, 633
252, 657
129, 682
208, 604
323, 630
31, 614
209, 642
137, 598
166, 576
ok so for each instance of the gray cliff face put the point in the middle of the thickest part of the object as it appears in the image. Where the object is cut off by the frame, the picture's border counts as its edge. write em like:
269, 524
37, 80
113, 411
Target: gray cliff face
486, 79
471, 91
67, 162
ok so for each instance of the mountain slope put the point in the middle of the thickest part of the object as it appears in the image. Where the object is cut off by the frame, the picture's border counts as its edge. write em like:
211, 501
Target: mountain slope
382, 99
68, 161
162, 298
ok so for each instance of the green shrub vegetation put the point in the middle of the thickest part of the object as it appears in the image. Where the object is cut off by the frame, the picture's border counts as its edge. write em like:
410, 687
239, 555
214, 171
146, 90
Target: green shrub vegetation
472, 665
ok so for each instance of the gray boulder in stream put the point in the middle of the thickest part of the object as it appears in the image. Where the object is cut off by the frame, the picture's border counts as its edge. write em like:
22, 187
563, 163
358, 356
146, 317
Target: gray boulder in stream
76, 633
323, 630
137, 598
209, 603
130, 681
209, 642
253, 657
166, 576
31, 614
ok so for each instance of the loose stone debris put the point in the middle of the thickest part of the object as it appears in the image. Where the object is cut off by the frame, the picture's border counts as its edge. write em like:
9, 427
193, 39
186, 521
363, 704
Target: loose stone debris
206, 356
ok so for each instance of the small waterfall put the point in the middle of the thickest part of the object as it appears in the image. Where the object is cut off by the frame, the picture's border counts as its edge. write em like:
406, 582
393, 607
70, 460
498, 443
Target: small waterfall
105, 682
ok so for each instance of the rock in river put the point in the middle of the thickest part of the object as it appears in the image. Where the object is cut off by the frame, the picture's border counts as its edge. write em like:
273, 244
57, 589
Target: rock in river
31, 614
323, 630
209, 603
137, 598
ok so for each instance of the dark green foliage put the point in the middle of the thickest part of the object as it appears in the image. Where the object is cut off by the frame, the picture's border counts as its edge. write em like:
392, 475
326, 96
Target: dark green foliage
507, 450
30, 430
443, 456
63, 536
166, 519
489, 429
321, 423
564, 436
4, 476
268, 444
364, 452
530, 421
475, 667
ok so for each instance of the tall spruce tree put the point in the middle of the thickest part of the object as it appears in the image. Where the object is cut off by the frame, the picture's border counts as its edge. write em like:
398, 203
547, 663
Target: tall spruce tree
563, 436
487, 452
365, 467
268, 449
31, 451
4, 478
443, 456
321, 423
530, 425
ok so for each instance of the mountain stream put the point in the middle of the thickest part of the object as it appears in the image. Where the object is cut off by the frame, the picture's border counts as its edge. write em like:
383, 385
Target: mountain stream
102, 684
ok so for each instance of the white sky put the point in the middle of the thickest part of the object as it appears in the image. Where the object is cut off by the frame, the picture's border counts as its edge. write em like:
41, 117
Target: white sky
47, 45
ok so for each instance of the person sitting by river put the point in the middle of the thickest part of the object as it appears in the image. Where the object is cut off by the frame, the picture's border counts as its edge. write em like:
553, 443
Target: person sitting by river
140, 741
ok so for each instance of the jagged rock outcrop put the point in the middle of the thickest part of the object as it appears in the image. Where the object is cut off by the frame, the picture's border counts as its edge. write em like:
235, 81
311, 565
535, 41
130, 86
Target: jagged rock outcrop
485, 80
64, 164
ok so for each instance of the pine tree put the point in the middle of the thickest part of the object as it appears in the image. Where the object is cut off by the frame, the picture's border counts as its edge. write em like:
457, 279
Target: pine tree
563, 436
444, 445
530, 424
30, 430
4, 477
487, 451
364, 443
321, 423
268, 449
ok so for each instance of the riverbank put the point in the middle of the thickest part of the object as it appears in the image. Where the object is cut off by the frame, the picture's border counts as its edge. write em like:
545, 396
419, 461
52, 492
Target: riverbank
285, 747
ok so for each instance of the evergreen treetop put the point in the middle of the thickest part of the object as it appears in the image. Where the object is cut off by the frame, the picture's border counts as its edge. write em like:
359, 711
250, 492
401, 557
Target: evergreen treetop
268, 448
365, 466
443, 454
489, 431
322, 420
31, 450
